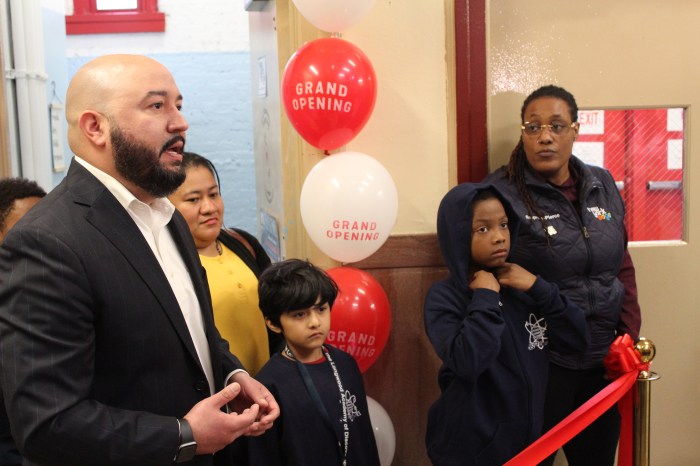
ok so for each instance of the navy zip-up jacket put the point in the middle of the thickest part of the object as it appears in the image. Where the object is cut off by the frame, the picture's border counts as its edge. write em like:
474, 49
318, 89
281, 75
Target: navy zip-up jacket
582, 254
494, 349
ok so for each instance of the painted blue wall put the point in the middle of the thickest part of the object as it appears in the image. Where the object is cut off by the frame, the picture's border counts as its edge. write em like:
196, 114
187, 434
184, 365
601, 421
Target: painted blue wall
217, 104
54, 29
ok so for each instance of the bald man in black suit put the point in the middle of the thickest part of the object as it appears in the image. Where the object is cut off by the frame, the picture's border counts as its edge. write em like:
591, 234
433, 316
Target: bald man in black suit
108, 350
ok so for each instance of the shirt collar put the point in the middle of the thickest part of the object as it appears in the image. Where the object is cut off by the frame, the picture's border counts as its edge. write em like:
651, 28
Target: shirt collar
161, 207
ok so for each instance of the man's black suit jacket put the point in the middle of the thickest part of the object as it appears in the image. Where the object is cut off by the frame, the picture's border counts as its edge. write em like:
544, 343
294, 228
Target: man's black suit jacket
96, 358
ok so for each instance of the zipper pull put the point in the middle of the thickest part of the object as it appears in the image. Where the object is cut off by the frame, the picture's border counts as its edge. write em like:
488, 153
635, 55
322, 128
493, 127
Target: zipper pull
585, 233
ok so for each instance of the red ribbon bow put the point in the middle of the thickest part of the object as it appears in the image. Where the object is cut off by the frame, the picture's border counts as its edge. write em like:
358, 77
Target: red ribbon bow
622, 358
622, 365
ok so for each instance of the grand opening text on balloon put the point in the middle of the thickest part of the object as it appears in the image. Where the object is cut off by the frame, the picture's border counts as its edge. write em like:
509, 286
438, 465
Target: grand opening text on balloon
349, 230
321, 96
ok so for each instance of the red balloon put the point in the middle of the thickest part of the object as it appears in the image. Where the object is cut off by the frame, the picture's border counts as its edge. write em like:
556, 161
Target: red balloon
328, 89
360, 317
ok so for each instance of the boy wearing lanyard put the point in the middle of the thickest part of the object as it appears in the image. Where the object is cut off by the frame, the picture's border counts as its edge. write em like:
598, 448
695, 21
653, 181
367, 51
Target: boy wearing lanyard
324, 416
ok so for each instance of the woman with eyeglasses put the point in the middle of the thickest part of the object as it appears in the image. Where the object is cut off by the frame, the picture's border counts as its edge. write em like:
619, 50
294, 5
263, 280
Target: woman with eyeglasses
573, 234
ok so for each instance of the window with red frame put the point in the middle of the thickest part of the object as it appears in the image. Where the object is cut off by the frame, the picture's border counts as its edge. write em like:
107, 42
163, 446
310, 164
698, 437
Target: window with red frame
114, 16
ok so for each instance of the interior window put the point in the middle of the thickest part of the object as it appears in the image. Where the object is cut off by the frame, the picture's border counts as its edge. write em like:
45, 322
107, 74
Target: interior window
643, 149
116, 5
114, 16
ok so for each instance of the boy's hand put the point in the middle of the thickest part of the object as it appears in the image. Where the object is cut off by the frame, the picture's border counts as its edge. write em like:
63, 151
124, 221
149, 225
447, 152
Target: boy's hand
514, 276
484, 279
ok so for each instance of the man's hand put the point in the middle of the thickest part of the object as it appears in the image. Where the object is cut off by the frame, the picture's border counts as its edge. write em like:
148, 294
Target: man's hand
253, 393
213, 429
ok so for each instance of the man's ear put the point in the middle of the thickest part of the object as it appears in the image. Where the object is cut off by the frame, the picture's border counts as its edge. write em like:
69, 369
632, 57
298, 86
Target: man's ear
95, 127
272, 326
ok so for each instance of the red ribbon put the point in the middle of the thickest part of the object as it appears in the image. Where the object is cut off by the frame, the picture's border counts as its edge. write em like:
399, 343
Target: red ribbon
623, 358
622, 364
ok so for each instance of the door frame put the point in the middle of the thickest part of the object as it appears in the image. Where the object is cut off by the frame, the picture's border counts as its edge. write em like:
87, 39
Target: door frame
470, 90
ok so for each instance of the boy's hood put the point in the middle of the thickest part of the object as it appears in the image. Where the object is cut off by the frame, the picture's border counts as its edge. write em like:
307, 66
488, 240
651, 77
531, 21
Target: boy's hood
454, 228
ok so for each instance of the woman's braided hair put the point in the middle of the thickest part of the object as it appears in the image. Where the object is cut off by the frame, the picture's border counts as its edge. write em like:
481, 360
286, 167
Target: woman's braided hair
515, 172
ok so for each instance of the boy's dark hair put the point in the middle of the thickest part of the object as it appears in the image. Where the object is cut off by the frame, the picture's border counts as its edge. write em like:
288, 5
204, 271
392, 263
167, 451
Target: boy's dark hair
484, 195
191, 159
291, 285
12, 189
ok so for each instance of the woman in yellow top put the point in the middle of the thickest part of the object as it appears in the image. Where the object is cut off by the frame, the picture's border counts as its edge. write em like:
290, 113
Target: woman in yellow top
233, 260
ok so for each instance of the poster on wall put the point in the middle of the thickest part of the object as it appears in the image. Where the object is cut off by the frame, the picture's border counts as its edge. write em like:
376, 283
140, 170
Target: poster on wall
269, 238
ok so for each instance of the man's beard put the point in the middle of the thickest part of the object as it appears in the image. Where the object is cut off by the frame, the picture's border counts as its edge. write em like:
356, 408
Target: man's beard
140, 164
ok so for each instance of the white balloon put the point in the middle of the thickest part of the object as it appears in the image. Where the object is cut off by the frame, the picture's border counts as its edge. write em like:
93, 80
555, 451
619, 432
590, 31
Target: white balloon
384, 432
348, 205
333, 15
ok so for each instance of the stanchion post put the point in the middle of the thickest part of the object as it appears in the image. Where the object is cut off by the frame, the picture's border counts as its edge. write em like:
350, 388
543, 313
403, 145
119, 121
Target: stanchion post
642, 404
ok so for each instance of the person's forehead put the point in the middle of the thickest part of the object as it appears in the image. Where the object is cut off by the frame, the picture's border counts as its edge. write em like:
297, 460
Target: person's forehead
198, 178
152, 81
547, 106
20, 207
488, 208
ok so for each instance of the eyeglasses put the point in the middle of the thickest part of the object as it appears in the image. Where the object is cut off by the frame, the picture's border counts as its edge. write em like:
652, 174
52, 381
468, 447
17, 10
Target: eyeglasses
534, 129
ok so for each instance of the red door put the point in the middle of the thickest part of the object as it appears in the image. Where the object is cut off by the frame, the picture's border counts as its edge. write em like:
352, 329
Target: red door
643, 149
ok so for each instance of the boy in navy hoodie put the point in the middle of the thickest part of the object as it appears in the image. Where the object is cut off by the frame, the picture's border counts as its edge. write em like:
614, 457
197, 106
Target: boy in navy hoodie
491, 323
324, 418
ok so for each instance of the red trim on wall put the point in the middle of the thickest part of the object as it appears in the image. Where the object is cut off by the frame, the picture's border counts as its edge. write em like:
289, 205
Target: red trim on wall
470, 48
86, 19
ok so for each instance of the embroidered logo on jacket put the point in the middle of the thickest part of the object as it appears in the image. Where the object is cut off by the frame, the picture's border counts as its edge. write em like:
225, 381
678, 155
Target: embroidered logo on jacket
537, 329
351, 406
600, 213
546, 217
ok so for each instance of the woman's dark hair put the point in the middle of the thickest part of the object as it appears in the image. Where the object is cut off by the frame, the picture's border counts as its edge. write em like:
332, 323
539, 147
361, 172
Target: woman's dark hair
515, 172
555, 92
191, 159
291, 285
